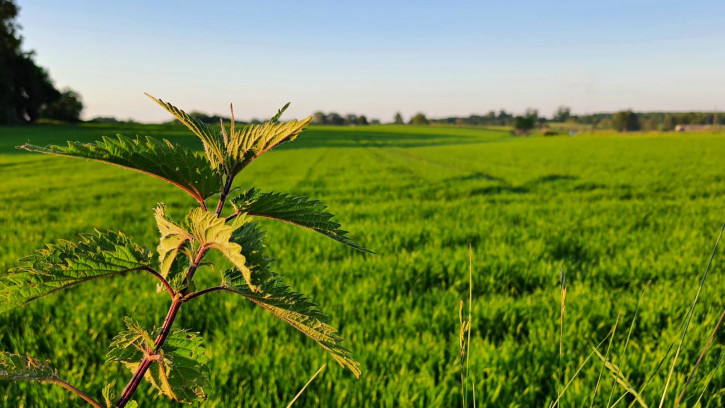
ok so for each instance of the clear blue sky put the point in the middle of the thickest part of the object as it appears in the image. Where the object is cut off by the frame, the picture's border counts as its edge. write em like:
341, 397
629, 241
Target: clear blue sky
378, 57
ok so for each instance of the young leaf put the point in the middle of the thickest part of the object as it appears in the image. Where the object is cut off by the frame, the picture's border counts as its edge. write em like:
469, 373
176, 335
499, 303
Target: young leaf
254, 140
172, 238
179, 166
15, 367
207, 230
213, 142
300, 211
179, 370
274, 295
66, 264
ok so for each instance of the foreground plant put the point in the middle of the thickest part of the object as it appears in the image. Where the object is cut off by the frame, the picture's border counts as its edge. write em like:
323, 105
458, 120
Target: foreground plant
174, 360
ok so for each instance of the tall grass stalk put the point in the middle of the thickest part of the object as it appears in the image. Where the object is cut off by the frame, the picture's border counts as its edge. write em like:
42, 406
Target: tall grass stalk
626, 345
688, 317
605, 360
561, 376
322, 367
465, 336
699, 359
576, 373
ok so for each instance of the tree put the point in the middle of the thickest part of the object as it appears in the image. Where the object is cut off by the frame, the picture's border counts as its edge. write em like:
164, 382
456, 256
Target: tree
398, 119
68, 108
335, 119
625, 121
351, 119
562, 114
362, 120
25, 88
419, 119
319, 118
526, 122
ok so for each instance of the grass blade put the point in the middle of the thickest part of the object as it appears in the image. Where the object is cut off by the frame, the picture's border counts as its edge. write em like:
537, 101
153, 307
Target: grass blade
308, 383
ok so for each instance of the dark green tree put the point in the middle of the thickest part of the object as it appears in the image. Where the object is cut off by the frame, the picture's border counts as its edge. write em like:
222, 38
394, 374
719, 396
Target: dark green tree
419, 119
362, 120
625, 121
562, 114
67, 108
25, 88
398, 119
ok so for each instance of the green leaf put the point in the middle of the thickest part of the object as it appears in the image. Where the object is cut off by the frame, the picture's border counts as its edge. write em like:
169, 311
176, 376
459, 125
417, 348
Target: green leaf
281, 110
300, 211
66, 264
179, 166
172, 238
179, 370
213, 142
255, 140
206, 230
236, 150
109, 395
14, 367
274, 295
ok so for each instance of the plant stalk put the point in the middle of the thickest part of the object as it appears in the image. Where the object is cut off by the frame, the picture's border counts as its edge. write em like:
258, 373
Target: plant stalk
87, 398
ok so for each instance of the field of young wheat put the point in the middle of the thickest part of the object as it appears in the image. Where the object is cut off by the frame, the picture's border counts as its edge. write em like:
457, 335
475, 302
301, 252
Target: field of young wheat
614, 212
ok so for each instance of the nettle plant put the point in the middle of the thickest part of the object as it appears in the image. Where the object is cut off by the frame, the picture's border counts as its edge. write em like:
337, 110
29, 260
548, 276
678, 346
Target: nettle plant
174, 361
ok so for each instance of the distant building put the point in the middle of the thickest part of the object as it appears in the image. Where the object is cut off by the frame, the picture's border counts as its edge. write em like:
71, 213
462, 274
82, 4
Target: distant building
692, 128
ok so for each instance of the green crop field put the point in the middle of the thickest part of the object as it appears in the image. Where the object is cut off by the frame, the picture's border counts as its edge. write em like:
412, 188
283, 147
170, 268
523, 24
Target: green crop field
613, 211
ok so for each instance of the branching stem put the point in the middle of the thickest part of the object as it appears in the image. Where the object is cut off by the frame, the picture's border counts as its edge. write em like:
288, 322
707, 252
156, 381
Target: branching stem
87, 398
178, 299
202, 292
160, 278
223, 195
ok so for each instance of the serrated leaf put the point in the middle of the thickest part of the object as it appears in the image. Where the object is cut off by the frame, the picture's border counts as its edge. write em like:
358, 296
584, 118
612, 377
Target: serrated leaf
274, 295
66, 264
255, 140
173, 163
179, 371
14, 367
172, 238
236, 150
109, 395
206, 230
299, 211
213, 142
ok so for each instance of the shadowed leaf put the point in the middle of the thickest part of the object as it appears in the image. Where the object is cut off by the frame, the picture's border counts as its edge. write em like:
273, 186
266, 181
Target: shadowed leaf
14, 367
300, 211
179, 370
66, 264
274, 295
184, 168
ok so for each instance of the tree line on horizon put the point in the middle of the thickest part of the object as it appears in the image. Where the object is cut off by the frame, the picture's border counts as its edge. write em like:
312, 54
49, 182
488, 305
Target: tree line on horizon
26, 90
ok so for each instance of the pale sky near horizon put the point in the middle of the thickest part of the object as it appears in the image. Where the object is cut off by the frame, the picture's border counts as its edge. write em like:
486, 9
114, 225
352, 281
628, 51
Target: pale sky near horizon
451, 58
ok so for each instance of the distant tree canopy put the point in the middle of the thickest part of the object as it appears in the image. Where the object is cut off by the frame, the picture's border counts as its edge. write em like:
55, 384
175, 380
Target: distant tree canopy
419, 119
625, 121
332, 118
398, 119
26, 91
527, 121
562, 114
67, 108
